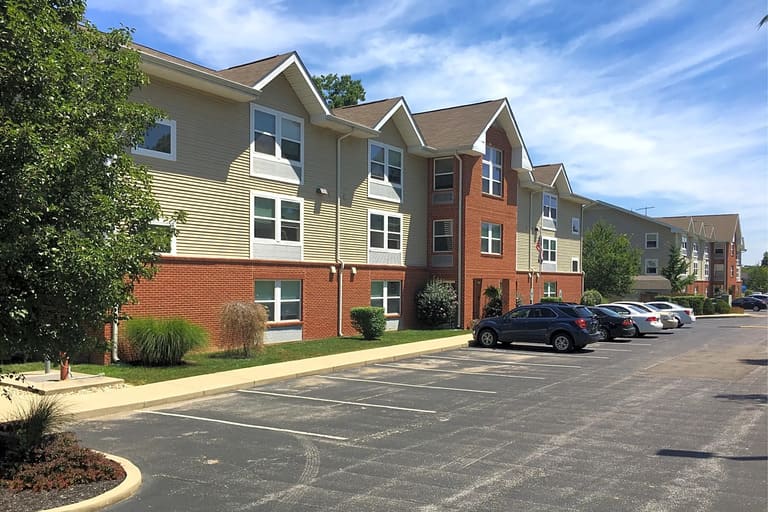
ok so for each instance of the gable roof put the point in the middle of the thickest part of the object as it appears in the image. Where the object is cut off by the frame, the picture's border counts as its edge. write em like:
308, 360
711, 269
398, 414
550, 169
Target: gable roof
726, 226
367, 114
554, 176
376, 114
252, 73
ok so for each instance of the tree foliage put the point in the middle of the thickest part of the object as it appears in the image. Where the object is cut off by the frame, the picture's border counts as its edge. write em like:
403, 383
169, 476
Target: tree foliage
764, 261
610, 261
676, 270
339, 91
437, 303
75, 210
757, 278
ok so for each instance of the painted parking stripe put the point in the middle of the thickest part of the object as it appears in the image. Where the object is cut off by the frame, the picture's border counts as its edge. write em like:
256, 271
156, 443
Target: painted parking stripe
602, 349
359, 404
481, 374
491, 361
519, 351
374, 381
247, 425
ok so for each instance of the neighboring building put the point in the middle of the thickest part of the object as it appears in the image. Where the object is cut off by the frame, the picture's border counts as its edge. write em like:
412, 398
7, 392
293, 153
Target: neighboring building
721, 263
654, 237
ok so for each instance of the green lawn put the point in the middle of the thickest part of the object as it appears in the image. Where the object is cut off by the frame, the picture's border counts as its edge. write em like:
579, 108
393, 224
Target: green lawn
200, 364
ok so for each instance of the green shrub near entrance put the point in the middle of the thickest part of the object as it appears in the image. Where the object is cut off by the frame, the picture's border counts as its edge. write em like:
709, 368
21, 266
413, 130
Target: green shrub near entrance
164, 341
369, 321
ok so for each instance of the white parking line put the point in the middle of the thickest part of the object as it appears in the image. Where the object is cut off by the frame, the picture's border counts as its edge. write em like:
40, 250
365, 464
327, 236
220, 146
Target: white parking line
601, 349
511, 363
482, 374
359, 404
410, 385
247, 425
518, 351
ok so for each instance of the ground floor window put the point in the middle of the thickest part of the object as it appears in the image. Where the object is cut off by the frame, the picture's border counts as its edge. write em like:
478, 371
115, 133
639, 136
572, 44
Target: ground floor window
386, 294
281, 298
550, 289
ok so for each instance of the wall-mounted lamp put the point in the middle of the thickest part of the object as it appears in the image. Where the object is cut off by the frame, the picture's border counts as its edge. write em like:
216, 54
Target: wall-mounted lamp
353, 270
322, 191
332, 269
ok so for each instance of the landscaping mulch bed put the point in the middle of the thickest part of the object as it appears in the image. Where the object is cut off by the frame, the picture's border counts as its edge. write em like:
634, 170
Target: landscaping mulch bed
30, 501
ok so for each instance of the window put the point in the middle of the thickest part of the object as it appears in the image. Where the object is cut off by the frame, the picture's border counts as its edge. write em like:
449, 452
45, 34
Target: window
550, 289
695, 250
492, 171
684, 244
490, 238
386, 294
574, 264
443, 174
732, 249
281, 298
442, 235
159, 141
277, 218
706, 269
385, 163
167, 238
652, 266
732, 271
279, 137
385, 231
549, 207
575, 225
719, 250
549, 250
696, 269
651, 240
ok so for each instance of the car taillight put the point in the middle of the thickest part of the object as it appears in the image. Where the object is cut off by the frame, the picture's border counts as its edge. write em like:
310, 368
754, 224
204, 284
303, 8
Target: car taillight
651, 319
627, 322
687, 311
581, 323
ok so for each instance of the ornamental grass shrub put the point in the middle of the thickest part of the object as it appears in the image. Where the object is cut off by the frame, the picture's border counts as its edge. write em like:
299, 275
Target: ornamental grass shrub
369, 321
242, 327
436, 303
164, 341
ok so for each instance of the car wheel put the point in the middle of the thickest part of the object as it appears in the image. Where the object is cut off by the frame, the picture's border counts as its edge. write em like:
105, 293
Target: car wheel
487, 338
756, 308
603, 332
638, 334
561, 342
679, 322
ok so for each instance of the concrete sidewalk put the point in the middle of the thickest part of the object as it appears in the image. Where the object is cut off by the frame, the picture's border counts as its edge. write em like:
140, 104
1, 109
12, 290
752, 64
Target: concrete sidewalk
90, 405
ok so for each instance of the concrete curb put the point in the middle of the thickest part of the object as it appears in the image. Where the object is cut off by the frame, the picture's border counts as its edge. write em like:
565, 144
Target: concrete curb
124, 490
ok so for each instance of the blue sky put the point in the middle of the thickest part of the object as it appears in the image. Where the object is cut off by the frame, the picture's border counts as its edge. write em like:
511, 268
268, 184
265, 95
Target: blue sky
651, 103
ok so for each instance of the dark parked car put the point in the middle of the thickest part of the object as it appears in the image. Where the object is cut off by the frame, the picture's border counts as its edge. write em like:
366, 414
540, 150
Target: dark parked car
749, 303
564, 326
612, 324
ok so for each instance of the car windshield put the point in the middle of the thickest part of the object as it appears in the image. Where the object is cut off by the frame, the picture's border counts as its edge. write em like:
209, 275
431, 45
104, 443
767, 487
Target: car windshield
606, 312
660, 305
580, 311
641, 307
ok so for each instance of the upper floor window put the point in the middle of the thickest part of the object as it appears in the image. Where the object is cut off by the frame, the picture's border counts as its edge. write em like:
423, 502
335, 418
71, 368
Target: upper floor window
279, 137
574, 264
696, 268
549, 250
706, 270
492, 171
549, 207
385, 231
719, 250
443, 174
733, 249
651, 240
684, 244
695, 249
386, 294
159, 141
652, 266
575, 225
490, 238
281, 298
442, 235
277, 218
385, 163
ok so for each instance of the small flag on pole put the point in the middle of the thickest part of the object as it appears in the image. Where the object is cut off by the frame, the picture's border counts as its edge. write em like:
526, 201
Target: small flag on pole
538, 249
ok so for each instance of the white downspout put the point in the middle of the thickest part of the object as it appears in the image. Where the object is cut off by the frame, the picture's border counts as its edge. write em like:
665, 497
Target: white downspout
116, 313
459, 245
340, 273
531, 231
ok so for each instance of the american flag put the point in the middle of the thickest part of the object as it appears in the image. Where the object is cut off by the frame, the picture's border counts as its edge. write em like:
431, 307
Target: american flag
538, 249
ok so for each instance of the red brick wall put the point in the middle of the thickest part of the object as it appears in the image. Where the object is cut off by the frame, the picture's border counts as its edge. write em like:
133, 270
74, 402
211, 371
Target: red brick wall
572, 285
196, 288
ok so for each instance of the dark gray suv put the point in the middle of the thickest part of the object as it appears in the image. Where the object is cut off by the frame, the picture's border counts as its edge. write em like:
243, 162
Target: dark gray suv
564, 326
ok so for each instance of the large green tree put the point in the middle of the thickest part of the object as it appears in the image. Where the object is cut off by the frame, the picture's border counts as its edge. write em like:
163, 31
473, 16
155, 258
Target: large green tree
610, 262
75, 210
676, 270
757, 278
339, 91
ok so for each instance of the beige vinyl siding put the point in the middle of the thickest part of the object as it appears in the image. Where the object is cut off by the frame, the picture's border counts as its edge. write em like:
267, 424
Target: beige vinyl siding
527, 257
568, 244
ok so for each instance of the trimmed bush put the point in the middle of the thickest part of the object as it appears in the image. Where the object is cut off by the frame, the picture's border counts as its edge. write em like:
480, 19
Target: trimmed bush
551, 299
369, 321
591, 298
164, 341
242, 326
494, 304
722, 307
436, 303
709, 307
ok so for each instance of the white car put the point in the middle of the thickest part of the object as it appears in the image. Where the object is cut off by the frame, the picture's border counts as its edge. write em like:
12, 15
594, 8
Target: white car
645, 322
668, 320
685, 315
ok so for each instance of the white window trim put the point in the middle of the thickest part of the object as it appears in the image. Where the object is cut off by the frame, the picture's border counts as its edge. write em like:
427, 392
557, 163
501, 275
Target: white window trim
488, 235
167, 224
278, 199
578, 266
684, 245
647, 239
552, 198
490, 179
656, 266
545, 251
386, 181
278, 299
159, 154
278, 148
386, 231
435, 237
385, 298
550, 293
575, 222
695, 269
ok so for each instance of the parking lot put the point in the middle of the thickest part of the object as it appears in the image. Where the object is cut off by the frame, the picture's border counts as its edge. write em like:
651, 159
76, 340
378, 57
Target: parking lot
675, 421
